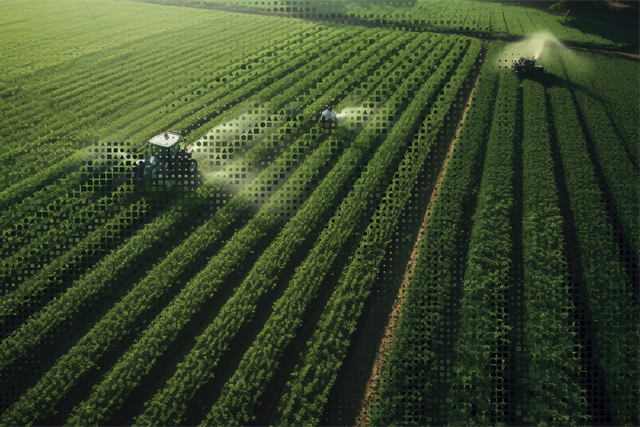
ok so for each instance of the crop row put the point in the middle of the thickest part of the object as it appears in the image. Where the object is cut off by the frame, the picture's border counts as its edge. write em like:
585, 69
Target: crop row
169, 403
52, 274
124, 99
36, 251
51, 203
313, 378
243, 390
335, 86
73, 179
610, 294
546, 303
162, 274
434, 276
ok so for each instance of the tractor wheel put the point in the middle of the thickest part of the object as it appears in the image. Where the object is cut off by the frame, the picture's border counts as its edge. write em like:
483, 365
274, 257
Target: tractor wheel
192, 166
137, 175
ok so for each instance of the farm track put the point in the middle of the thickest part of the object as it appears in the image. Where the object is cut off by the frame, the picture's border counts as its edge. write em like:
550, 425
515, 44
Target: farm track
369, 395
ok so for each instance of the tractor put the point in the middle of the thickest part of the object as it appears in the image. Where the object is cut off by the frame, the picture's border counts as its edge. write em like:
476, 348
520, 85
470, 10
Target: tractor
526, 67
327, 117
163, 156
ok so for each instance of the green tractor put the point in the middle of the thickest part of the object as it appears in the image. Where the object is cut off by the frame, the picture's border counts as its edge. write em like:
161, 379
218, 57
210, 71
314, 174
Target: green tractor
526, 67
165, 153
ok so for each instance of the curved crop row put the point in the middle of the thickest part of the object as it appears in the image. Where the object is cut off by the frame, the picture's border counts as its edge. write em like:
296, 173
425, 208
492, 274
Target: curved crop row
545, 278
434, 275
241, 393
312, 380
166, 405
611, 298
38, 251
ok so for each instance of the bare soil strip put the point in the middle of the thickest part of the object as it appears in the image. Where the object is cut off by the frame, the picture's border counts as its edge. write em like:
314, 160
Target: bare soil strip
383, 349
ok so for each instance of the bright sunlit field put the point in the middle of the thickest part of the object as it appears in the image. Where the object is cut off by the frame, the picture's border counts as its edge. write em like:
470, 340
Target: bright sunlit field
459, 248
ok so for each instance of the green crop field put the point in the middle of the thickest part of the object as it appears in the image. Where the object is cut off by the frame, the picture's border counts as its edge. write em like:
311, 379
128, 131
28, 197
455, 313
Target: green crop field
460, 248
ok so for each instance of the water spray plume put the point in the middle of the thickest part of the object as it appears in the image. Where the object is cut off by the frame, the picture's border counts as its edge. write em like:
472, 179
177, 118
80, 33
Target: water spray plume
533, 46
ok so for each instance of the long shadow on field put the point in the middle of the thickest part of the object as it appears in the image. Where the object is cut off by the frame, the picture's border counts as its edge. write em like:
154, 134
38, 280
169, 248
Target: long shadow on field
68, 275
626, 254
346, 395
94, 310
513, 391
166, 365
594, 380
209, 393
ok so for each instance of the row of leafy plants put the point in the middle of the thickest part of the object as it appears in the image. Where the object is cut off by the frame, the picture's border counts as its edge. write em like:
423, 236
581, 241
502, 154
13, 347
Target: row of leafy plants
313, 378
37, 252
549, 336
169, 268
402, 388
154, 68
243, 390
611, 298
168, 405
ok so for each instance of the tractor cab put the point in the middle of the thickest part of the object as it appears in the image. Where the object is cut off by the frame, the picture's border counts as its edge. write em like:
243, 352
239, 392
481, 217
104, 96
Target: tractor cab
526, 67
165, 153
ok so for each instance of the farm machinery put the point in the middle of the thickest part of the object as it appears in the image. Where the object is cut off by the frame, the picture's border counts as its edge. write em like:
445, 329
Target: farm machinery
328, 116
163, 156
526, 67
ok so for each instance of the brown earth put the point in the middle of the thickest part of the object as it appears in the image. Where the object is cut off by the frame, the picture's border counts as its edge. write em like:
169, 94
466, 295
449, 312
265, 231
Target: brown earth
383, 349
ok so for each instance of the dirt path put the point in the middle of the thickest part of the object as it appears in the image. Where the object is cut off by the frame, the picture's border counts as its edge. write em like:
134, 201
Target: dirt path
384, 346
